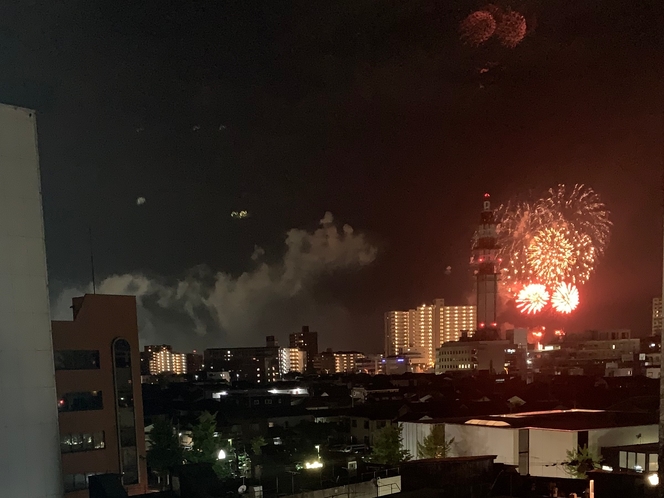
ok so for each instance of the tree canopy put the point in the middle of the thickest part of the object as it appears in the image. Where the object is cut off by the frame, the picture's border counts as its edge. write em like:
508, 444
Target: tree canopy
434, 445
388, 446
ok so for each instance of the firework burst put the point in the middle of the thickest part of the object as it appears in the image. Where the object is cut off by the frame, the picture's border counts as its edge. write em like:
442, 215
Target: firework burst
550, 241
477, 28
565, 298
532, 298
511, 29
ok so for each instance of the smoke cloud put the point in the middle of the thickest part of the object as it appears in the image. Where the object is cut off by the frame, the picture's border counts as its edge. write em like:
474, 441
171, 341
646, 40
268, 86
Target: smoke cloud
207, 308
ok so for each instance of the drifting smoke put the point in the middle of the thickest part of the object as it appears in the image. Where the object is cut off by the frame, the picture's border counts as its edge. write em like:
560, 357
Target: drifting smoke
270, 299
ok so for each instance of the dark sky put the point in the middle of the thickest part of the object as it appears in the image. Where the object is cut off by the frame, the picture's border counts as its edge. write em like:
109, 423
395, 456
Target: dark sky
369, 109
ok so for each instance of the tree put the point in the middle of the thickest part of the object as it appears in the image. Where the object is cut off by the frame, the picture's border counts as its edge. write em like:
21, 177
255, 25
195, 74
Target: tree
388, 446
165, 451
206, 445
256, 444
580, 461
434, 445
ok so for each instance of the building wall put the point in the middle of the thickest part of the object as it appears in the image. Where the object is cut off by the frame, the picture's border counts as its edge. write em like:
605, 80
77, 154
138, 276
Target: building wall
620, 436
30, 461
99, 321
477, 440
363, 430
413, 433
548, 449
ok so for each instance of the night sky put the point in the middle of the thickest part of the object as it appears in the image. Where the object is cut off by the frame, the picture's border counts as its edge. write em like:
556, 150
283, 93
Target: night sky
371, 110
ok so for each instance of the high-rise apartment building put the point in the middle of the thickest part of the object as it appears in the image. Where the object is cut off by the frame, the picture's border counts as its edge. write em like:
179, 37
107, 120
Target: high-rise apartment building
422, 330
162, 359
194, 362
100, 402
397, 332
422, 333
306, 341
292, 360
346, 361
28, 417
657, 316
450, 321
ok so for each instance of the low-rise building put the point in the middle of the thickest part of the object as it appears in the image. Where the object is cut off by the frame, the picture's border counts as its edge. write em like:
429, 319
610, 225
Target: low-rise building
100, 407
537, 442
254, 364
470, 356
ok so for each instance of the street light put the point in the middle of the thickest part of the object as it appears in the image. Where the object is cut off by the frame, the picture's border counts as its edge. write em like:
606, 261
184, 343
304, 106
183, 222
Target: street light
653, 479
221, 455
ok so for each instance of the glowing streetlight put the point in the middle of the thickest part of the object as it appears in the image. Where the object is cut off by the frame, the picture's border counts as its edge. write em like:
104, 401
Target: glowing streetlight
221, 455
653, 479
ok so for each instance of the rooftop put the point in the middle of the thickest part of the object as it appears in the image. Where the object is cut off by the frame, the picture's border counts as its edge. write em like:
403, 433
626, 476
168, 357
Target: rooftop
566, 420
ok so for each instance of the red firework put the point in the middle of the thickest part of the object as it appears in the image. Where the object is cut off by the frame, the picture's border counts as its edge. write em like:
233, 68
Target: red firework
477, 28
511, 29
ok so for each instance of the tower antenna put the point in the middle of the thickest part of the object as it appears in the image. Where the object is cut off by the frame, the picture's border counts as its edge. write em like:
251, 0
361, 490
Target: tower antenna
92, 261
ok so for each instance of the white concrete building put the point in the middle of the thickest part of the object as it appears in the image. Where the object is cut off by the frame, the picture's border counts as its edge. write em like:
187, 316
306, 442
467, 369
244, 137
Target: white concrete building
537, 442
471, 356
28, 415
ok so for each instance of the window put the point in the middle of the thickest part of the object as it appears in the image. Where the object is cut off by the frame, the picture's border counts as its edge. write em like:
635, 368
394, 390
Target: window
366, 424
353, 423
124, 410
74, 482
81, 401
73, 443
76, 360
268, 401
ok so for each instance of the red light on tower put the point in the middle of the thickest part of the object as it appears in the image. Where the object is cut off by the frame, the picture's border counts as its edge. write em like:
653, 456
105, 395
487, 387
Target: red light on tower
486, 195
481, 325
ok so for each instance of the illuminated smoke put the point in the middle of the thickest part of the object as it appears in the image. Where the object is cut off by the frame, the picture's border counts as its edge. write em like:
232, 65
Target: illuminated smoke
275, 296
477, 28
511, 28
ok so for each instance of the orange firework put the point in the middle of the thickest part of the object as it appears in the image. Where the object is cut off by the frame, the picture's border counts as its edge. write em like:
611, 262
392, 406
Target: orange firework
565, 298
477, 28
511, 29
532, 298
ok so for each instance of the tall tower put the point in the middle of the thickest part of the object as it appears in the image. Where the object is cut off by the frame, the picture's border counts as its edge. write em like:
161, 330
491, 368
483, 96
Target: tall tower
485, 263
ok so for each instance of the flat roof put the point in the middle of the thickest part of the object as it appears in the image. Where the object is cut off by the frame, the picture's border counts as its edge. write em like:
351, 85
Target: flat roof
566, 420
